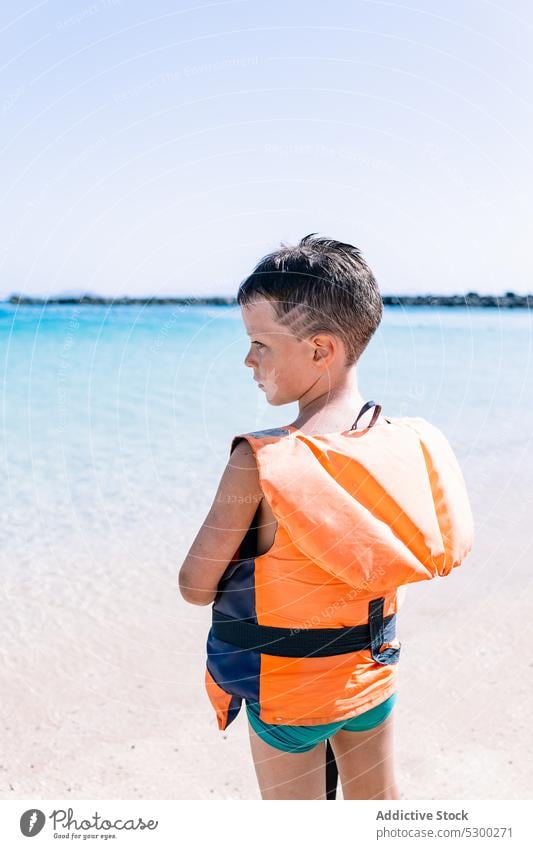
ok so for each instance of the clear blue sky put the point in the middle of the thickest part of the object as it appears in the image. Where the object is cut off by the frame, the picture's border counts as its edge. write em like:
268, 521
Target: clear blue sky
162, 148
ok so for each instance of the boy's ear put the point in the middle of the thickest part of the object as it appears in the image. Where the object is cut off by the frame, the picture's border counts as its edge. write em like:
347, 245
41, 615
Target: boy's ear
324, 347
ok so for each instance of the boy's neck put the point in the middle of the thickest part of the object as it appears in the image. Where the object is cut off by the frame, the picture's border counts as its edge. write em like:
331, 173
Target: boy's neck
331, 408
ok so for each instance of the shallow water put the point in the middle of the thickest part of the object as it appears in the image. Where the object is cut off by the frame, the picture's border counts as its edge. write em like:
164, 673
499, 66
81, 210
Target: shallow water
117, 421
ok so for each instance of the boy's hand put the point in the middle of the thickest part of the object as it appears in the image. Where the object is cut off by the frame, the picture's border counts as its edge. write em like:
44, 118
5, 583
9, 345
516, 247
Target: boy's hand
224, 528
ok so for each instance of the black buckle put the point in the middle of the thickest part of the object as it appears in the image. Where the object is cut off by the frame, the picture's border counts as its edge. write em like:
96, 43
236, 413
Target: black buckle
377, 634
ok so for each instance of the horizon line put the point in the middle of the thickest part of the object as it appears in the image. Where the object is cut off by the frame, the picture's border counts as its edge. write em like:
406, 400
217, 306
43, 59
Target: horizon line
505, 299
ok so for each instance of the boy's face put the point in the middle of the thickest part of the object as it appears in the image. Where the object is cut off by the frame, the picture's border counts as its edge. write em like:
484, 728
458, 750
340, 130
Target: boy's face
284, 367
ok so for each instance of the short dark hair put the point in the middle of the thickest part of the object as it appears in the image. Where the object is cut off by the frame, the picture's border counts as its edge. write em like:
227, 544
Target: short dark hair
319, 285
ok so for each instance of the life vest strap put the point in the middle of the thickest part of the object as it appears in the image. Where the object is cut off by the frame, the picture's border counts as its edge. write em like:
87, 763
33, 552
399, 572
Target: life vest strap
311, 642
362, 411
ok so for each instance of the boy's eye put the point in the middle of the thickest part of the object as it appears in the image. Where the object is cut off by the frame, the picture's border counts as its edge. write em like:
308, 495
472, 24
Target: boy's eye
259, 344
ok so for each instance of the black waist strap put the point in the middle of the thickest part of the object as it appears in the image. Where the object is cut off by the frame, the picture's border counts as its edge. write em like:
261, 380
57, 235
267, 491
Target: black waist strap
317, 642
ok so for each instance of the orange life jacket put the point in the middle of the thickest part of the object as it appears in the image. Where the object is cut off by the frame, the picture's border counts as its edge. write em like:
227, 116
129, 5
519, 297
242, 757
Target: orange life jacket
307, 630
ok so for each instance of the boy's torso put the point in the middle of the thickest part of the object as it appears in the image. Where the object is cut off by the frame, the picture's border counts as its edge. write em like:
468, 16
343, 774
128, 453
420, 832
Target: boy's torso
342, 547
266, 527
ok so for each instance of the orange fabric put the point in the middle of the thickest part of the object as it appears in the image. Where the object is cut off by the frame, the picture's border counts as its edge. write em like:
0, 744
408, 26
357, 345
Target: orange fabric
319, 690
376, 508
360, 514
219, 699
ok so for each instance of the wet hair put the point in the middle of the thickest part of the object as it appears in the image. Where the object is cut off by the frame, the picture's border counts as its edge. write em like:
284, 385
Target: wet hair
317, 286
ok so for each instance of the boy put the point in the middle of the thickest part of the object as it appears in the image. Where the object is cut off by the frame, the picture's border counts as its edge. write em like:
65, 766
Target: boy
314, 527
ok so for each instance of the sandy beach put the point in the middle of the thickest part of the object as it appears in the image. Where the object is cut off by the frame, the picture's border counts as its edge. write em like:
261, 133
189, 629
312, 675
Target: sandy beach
102, 679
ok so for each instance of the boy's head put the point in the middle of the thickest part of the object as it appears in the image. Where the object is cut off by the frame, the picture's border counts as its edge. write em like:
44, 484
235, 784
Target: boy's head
310, 311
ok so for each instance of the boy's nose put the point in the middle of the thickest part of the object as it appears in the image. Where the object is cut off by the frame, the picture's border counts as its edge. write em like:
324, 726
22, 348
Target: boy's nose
248, 360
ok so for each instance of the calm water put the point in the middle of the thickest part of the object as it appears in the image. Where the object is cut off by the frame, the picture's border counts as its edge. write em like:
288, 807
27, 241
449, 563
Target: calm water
117, 422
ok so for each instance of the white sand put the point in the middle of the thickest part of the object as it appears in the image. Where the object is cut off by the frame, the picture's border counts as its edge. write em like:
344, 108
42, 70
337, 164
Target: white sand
102, 678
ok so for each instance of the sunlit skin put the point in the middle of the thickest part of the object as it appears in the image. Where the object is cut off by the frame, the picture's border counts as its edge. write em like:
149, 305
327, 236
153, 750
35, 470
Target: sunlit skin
311, 371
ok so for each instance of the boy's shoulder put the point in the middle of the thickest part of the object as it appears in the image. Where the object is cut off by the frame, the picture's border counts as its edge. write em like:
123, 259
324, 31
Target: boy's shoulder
258, 438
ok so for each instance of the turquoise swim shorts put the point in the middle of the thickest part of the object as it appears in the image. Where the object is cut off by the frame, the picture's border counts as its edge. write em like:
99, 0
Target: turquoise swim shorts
303, 738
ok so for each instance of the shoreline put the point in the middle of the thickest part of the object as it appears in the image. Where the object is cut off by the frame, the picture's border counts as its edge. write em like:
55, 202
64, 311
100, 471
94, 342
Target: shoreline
509, 300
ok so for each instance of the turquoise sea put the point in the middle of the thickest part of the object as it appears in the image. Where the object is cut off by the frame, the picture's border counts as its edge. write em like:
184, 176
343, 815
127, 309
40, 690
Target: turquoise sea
116, 426
116, 422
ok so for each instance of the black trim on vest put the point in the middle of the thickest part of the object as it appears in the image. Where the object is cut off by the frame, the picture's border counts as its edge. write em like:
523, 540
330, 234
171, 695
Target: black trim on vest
312, 642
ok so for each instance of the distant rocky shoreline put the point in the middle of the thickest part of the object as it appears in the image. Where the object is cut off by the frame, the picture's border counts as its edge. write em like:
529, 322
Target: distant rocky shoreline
509, 300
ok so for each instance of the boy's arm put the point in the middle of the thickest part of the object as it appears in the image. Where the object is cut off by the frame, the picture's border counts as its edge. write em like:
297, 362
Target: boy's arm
224, 527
